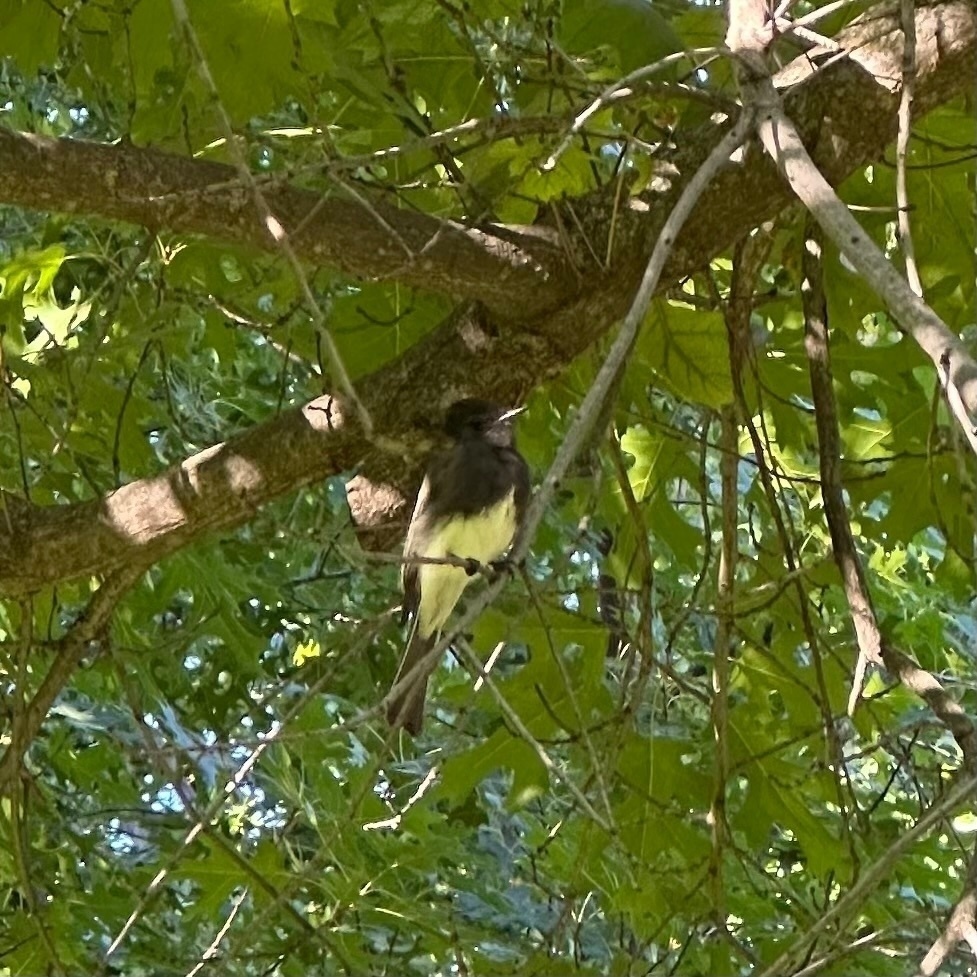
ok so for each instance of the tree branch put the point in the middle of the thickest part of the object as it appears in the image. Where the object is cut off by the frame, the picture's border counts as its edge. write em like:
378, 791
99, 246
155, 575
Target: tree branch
872, 645
959, 927
851, 902
518, 273
162, 190
70, 651
514, 272
781, 139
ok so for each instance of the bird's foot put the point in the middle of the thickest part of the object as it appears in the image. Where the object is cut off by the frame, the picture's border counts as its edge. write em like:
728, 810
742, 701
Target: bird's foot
504, 566
492, 570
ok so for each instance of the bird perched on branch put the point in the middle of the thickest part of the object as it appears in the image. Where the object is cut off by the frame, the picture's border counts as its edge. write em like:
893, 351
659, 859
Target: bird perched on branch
469, 507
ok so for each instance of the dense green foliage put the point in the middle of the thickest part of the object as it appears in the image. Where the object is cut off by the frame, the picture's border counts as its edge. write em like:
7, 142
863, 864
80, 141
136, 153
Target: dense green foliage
225, 732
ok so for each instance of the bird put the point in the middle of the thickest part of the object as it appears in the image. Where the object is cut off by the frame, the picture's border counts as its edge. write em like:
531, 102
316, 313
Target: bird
470, 505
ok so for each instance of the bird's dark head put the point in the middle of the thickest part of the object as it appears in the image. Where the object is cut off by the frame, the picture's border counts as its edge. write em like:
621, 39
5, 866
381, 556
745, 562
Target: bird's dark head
472, 418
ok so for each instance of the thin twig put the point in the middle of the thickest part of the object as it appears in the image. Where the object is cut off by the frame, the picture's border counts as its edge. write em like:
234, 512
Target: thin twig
394, 822
590, 409
474, 666
627, 82
850, 904
463, 563
206, 818
71, 649
271, 223
211, 950
19, 795
725, 610
947, 352
959, 927
829, 456
579, 718
170, 768
749, 256
821, 12
908, 12
873, 647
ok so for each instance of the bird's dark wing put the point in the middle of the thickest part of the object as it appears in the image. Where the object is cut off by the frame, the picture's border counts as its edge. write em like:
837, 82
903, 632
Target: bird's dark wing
434, 500
416, 532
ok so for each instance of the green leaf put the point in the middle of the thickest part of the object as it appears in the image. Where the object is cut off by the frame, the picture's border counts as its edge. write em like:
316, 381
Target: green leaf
635, 30
688, 350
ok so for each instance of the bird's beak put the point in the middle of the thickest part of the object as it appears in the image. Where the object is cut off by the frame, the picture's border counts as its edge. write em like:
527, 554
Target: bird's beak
509, 414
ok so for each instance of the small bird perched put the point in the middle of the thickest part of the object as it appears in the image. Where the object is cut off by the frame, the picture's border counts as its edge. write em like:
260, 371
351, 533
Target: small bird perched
470, 505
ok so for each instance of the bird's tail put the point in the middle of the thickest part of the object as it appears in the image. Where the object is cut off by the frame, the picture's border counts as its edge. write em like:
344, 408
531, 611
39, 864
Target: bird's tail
405, 708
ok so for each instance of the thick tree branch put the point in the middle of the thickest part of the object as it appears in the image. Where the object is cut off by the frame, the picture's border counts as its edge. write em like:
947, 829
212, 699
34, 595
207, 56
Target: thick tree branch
162, 190
518, 273
224, 485
515, 273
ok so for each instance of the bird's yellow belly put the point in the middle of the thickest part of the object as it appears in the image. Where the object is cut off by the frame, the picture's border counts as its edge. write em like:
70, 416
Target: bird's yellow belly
483, 537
